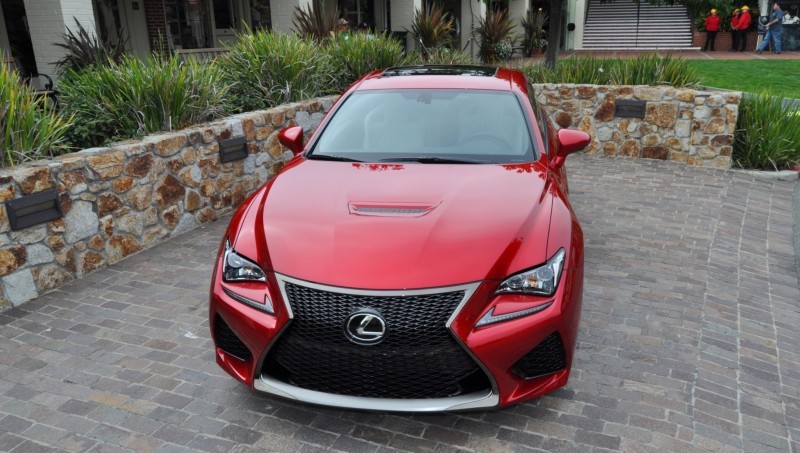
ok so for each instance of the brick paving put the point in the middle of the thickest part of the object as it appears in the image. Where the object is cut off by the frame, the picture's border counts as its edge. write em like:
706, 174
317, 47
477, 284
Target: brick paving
689, 341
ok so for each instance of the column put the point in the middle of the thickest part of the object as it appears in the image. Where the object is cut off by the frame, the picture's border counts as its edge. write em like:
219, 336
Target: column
579, 20
283, 13
473, 11
517, 10
402, 14
48, 20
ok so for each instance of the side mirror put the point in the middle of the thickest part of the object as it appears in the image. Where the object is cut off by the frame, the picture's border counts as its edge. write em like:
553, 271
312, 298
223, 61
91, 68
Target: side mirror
292, 138
570, 141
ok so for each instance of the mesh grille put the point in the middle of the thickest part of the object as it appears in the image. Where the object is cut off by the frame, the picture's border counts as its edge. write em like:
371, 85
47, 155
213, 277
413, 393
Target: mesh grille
418, 357
228, 341
547, 357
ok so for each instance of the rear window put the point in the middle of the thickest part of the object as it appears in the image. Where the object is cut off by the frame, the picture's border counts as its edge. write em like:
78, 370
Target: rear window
480, 125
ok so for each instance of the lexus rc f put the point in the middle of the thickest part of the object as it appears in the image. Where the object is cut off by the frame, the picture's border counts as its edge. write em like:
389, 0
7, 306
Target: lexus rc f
419, 252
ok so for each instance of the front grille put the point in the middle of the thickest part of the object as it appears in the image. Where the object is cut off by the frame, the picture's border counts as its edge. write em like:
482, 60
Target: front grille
547, 357
228, 341
418, 357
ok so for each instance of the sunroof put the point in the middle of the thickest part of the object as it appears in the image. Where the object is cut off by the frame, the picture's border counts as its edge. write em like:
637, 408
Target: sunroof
473, 71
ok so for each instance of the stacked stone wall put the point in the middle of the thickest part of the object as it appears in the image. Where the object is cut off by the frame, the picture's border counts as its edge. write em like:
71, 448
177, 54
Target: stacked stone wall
130, 196
690, 126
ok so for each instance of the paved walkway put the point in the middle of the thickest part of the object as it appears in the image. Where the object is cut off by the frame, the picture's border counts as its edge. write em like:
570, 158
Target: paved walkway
689, 341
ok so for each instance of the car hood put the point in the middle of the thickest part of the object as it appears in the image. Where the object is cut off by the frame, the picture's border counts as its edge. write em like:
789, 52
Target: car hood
378, 226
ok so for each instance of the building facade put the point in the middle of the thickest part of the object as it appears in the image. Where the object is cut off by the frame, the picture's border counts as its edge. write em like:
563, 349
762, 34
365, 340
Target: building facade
29, 28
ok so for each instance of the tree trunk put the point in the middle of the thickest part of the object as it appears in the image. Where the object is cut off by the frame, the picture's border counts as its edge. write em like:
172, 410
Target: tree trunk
554, 32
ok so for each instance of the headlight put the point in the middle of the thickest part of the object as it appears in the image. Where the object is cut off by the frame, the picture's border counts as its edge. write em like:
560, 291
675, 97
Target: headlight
540, 281
239, 269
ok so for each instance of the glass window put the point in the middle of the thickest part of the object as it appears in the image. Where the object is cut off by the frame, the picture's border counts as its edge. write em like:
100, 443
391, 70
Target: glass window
188, 24
480, 125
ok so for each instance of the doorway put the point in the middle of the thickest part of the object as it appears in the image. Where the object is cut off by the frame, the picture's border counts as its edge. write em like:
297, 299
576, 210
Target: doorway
19, 35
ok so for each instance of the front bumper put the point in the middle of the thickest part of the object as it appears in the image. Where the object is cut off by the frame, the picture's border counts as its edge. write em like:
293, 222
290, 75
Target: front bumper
495, 348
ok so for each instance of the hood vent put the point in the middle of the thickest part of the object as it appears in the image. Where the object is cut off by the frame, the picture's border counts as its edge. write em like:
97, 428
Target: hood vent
390, 209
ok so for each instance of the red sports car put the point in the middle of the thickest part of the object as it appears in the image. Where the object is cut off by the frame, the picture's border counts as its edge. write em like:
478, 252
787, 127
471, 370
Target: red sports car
418, 254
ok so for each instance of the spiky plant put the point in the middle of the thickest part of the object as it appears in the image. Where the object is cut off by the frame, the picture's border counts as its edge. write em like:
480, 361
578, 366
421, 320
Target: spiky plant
84, 50
318, 20
30, 128
535, 34
432, 27
492, 30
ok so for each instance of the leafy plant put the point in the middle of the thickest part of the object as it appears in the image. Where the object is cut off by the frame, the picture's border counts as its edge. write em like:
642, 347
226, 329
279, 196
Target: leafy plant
141, 97
30, 128
265, 69
432, 27
355, 55
535, 35
85, 50
493, 29
318, 20
768, 133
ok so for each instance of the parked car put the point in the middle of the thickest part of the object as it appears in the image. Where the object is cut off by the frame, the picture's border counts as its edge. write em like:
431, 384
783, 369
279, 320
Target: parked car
418, 254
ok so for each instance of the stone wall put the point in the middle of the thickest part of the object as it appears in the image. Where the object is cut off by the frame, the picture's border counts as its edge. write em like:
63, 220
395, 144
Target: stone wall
133, 195
685, 125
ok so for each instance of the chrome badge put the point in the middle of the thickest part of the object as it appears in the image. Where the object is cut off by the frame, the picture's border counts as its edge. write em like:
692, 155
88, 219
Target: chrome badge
365, 327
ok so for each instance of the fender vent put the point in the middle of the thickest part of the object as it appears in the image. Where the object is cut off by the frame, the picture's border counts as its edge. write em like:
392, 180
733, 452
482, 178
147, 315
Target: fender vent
546, 358
228, 341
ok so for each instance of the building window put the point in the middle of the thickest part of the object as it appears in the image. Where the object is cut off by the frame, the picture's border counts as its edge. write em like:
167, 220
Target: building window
188, 24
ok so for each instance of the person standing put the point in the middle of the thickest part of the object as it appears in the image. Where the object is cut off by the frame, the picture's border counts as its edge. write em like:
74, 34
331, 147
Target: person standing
712, 27
743, 27
735, 30
774, 29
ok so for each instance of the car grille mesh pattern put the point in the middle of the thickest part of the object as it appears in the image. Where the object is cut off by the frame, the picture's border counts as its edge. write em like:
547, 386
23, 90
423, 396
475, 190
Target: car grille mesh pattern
547, 357
418, 357
228, 341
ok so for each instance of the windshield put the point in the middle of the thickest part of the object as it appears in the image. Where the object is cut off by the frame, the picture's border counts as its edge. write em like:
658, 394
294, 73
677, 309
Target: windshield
428, 126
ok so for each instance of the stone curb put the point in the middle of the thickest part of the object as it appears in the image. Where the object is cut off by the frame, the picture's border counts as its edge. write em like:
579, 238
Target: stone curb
783, 175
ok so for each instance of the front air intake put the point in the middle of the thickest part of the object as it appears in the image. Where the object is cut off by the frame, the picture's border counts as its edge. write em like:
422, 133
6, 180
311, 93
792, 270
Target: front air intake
228, 341
546, 358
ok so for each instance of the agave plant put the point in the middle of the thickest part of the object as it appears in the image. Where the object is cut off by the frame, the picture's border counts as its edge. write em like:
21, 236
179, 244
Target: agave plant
85, 50
492, 30
432, 27
318, 20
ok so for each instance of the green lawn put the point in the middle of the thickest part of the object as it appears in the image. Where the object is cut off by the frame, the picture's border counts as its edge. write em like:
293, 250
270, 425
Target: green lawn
777, 77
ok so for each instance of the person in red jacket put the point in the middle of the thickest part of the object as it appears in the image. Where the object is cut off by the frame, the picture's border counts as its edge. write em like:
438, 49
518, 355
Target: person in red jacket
712, 27
742, 27
735, 30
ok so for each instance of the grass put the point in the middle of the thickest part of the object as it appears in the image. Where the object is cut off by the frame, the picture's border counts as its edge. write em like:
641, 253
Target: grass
776, 77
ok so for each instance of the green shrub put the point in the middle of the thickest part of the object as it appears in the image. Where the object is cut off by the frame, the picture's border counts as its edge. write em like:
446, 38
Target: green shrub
266, 69
30, 129
357, 54
444, 56
646, 69
768, 133
141, 97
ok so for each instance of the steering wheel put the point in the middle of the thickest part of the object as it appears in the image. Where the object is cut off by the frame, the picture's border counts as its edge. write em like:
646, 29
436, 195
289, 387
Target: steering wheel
493, 139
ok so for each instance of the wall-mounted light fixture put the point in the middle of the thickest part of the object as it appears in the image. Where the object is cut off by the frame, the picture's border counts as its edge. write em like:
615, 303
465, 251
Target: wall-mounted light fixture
629, 108
33, 209
232, 149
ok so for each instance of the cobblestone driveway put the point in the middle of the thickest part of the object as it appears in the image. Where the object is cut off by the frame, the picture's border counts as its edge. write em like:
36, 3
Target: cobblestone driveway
689, 341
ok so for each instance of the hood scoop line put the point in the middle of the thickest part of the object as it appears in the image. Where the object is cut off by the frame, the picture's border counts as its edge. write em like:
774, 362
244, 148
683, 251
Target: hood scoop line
390, 209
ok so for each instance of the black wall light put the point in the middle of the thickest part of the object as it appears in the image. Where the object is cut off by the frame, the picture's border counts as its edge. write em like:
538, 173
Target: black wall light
33, 209
629, 108
232, 149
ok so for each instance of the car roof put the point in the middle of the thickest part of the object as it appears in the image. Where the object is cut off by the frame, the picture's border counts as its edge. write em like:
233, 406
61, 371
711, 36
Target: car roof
444, 76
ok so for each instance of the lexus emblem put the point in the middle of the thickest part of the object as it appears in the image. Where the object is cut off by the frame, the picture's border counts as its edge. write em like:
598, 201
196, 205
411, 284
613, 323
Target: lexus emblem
365, 327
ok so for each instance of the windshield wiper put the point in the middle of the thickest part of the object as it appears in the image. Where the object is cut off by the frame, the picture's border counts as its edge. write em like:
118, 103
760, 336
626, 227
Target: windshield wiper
332, 157
435, 160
